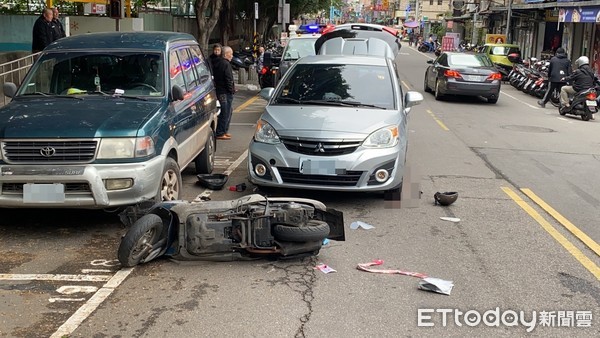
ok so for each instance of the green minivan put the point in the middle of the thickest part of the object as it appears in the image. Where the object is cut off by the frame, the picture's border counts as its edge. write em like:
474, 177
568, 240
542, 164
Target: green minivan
105, 120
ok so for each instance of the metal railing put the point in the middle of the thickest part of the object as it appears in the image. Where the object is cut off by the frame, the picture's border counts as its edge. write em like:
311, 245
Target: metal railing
14, 71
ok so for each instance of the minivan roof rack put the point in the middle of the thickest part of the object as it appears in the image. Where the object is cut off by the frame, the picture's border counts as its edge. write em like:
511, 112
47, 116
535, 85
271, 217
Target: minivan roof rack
356, 46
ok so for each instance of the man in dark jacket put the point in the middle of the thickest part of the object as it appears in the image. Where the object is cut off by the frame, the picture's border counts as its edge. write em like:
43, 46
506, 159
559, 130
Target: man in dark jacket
560, 66
42, 31
216, 54
225, 87
582, 78
59, 30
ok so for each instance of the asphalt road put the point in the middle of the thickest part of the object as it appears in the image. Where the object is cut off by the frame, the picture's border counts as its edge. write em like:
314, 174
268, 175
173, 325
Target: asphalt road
507, 253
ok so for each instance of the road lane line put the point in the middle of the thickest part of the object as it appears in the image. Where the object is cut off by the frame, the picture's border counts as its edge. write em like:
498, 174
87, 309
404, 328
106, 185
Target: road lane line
590, 243
579, 256
438, 120
245, 104
523, 102
405, 85
52, 277
91, 305
228, 171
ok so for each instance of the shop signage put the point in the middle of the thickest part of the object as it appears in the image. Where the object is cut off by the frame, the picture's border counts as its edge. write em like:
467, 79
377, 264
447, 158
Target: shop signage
579, 14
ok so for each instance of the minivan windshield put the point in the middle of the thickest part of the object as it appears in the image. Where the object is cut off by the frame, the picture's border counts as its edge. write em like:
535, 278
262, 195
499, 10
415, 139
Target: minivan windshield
338, 84
75, 73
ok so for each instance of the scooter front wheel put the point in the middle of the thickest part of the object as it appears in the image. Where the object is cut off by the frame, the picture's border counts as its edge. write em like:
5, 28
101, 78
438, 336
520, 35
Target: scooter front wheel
139, 241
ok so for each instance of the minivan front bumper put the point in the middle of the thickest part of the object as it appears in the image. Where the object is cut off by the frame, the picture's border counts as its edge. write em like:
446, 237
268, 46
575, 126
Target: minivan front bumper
84, 185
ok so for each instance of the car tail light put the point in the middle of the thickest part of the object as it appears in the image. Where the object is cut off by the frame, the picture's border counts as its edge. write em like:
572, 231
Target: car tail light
264, 70
328, 28
495, 76
452, 73
591, 96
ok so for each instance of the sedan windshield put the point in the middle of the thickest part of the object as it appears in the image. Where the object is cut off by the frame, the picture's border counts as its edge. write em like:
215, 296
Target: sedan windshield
76, 73
299, 48
335, 84
469, 60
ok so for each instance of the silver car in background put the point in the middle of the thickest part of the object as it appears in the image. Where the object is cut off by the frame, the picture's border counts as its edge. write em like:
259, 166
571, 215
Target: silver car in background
335, 122
297, 47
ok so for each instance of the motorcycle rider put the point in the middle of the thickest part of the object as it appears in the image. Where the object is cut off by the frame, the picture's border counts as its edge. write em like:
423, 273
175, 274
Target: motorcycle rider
582, 78
560, 66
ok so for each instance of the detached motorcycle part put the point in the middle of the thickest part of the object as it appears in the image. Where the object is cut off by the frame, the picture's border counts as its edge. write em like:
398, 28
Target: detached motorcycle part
142, 242
313, 231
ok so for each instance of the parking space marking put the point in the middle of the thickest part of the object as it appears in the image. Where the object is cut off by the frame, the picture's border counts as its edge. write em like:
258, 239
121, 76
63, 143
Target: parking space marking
574, 251
52, 277
54, 300
86, 309
228, 171
437, 120
245, 104
590, 243
405, 85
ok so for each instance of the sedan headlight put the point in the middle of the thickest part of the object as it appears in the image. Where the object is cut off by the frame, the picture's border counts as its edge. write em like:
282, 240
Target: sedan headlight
265, 133
383, 138
111, 148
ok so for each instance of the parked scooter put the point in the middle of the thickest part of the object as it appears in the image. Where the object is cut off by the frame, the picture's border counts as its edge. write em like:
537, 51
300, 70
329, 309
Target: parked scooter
249, 227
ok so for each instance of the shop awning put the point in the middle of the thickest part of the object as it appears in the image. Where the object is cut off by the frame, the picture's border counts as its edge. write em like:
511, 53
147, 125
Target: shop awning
411, 24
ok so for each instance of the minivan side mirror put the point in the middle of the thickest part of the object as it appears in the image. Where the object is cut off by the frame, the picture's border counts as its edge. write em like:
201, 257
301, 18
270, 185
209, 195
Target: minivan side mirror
10, 89
411, 99
176, 93
267, 93
430, 62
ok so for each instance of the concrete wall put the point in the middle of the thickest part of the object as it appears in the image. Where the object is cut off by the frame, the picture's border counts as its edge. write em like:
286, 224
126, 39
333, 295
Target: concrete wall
16, 32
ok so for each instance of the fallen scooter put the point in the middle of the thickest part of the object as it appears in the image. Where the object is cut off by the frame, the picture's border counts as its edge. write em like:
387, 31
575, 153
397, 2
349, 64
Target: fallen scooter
246, 228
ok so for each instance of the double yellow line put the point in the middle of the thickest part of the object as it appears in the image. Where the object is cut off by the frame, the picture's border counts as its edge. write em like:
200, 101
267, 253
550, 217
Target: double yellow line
570, 247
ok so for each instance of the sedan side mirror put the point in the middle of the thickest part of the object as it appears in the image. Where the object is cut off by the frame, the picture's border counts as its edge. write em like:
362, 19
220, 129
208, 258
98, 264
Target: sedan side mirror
430, 62
411, 99
10, 89
267, 93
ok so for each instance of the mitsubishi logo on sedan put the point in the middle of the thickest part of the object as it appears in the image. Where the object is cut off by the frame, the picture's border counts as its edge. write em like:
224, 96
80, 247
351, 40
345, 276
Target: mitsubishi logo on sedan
319, 148
47, 151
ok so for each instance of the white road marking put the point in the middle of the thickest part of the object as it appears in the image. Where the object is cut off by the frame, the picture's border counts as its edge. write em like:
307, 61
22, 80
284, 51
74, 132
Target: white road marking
54, 300
95, 270
51, 277
105, 262
222, 161
86, 309
229, 170
242, 124
523, 102
71, 289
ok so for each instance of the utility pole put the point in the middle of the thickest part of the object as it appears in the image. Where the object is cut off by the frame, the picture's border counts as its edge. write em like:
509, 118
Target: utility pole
508, 17
417, 15
475, 17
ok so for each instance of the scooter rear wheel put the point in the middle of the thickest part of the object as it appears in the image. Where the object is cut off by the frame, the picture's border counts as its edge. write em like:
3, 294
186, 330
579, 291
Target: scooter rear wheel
137, 243
315, 230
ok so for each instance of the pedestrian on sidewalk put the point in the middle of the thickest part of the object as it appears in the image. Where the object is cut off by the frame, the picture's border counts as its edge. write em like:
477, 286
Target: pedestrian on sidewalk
560, 67
411, 38
58, 30
223, 75
216, 54
42, 31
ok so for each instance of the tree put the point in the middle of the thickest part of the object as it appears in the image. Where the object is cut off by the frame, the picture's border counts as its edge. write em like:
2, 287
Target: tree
207, 16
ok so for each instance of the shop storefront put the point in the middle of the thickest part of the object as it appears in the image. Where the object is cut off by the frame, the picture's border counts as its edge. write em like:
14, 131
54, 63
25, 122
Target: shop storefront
581, 32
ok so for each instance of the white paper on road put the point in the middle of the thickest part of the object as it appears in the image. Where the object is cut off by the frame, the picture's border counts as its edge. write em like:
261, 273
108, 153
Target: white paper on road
355, 225
450, 219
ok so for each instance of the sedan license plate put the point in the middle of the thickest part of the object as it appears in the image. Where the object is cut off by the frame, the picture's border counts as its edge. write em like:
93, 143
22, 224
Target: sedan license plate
309, 167
475, 78
591, 103
43, 193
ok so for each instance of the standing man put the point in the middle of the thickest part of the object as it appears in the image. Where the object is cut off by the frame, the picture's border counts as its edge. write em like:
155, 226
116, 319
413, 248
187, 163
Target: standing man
260, 62
213, 58
223, 75
42, 31
560, 66
59, 30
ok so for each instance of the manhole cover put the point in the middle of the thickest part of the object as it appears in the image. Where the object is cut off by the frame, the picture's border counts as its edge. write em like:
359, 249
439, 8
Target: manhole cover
529, 129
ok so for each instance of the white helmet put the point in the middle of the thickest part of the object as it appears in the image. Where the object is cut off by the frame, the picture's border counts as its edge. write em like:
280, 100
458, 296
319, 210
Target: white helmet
583, 60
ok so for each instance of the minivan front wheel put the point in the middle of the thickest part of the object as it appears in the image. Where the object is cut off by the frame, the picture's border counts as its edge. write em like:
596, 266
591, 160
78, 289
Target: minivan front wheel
205, 161
169, 188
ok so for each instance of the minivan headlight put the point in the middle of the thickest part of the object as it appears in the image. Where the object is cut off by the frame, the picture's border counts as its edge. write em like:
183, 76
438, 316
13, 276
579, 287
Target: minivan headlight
112, 148
383, 138
265, 133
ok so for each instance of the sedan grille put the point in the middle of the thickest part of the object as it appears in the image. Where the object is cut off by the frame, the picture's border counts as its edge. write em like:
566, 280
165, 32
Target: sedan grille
320, 148
49, 151
293, 175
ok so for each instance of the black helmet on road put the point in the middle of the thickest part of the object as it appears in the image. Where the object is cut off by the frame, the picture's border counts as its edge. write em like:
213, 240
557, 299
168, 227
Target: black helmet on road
445, 198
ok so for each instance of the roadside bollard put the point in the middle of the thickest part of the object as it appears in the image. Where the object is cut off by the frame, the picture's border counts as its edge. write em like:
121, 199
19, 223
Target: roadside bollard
242, 76
252, 74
